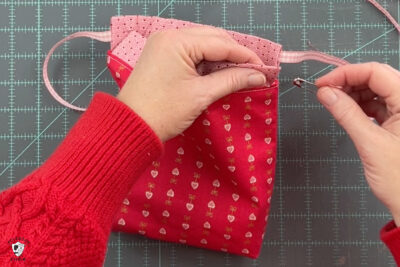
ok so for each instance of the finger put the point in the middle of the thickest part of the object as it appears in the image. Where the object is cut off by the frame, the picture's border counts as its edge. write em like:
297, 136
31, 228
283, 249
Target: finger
381, 79
227, 81
375, 109
349, 115
217, 46
217, 49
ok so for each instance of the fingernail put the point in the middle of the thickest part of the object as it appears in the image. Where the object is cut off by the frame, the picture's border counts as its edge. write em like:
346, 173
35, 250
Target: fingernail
328, 96
256, 79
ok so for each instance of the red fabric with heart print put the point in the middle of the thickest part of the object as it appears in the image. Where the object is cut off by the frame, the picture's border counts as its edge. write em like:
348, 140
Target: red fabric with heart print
212, 187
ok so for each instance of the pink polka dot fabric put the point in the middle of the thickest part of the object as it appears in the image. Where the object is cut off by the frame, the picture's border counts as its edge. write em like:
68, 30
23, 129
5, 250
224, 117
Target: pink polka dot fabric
129, 34
212, 187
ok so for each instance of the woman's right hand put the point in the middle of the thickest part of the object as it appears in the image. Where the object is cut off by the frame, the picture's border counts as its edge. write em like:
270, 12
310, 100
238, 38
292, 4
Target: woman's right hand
165, 88
373, 90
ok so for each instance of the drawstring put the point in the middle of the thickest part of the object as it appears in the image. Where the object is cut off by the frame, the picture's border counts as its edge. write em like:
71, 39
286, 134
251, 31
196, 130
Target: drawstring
100, 36
386, 13
299, 56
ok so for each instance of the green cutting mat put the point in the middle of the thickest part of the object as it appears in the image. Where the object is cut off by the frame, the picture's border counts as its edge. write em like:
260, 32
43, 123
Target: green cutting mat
323, 213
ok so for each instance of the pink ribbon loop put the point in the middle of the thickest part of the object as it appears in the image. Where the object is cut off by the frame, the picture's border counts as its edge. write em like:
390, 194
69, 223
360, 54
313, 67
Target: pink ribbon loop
100, 36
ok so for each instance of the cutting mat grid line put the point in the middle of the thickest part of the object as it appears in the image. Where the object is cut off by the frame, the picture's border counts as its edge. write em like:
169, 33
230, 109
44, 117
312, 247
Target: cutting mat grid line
323, 213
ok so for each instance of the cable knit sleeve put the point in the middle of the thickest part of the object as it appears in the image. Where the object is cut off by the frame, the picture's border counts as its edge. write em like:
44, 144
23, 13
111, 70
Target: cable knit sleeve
61, 214
390, 235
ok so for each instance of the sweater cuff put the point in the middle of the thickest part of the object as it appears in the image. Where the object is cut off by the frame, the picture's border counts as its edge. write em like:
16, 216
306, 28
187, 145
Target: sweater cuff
101, 157
390, 235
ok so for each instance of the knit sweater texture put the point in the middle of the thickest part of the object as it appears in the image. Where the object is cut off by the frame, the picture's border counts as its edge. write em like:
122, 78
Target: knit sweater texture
62, 212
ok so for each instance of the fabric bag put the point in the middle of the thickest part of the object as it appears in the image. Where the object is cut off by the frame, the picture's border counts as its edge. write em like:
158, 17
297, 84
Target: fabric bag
212, 187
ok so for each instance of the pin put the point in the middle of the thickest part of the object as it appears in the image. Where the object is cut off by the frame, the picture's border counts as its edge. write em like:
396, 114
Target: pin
299, 82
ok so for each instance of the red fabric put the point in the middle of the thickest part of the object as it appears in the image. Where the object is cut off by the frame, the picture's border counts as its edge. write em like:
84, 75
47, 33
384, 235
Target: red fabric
62, 212
390, 235
212, 187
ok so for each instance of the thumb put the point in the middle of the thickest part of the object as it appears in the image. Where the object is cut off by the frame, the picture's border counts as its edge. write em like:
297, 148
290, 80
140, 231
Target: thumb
349, 115
229, 80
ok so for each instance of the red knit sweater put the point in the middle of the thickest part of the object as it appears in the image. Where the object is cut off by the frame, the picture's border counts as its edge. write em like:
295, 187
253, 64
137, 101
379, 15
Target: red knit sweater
62, 212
